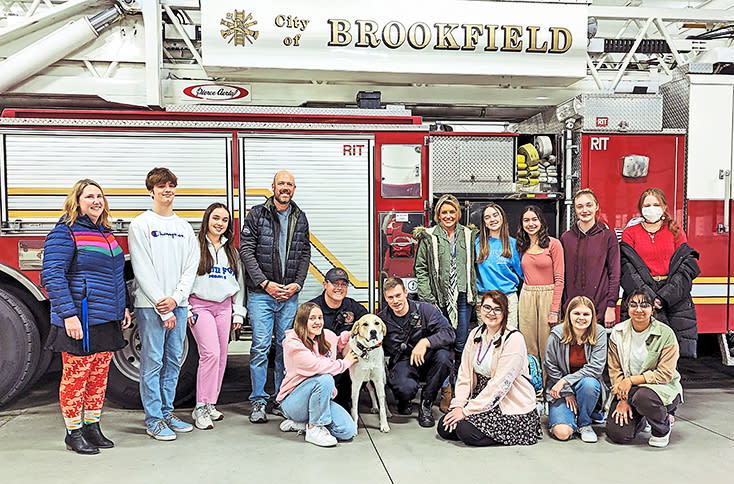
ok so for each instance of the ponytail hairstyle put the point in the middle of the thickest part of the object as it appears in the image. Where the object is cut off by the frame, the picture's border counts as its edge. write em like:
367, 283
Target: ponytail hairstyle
660, 195
206, 261
484, 235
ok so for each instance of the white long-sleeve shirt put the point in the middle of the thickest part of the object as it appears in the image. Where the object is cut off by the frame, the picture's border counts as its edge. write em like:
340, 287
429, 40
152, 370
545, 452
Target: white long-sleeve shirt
165, 255
220, 283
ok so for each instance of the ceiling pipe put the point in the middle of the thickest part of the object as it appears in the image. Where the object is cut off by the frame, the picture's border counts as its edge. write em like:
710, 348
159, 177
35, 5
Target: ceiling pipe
55, 46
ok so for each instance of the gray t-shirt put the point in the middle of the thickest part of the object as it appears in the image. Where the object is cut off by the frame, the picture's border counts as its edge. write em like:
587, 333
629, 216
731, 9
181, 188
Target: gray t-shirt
283, 239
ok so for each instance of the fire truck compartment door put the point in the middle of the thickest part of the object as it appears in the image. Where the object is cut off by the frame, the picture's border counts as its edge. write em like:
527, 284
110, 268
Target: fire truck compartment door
334, 187
41, 167
709, 188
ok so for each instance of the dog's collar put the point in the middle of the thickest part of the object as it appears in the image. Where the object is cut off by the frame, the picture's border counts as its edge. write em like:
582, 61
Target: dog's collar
364, 350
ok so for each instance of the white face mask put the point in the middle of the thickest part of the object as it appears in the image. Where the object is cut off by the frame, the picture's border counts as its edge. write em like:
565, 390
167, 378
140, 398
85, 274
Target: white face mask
652, 214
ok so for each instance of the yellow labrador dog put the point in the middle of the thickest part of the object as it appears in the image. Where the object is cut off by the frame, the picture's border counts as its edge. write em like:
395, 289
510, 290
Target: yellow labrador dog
366, 342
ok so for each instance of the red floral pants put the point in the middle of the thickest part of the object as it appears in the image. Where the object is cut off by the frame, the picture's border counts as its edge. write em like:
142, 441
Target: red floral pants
83, 383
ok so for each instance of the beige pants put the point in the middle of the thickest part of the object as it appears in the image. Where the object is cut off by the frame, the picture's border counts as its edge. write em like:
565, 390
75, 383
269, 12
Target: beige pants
512, 310
534, 309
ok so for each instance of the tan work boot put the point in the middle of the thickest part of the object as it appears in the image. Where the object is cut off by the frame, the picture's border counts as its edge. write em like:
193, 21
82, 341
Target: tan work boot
446, 396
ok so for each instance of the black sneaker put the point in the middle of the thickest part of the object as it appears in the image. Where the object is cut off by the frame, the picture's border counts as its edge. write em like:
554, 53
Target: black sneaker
405, 407
425, 414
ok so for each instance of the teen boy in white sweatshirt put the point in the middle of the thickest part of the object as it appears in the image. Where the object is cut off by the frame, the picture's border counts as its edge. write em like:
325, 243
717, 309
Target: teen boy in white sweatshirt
164, 255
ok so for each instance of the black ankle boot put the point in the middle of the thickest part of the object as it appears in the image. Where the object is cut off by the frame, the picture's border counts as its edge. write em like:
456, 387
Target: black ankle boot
75, 441
425, 414
93, 434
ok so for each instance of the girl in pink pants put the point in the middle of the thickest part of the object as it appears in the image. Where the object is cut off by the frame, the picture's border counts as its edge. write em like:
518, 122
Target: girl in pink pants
215, 308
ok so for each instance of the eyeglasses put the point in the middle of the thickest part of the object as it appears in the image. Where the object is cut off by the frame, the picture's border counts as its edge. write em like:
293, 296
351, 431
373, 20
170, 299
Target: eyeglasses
491, 310
340, 284
642, 305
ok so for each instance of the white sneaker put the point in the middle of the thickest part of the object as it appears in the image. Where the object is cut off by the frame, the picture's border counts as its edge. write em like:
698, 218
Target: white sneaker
289, 425
319, 435
215, 414
201, 417
588, 434
659, 441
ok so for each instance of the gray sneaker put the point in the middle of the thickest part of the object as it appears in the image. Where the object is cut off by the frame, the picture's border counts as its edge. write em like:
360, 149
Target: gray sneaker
588, 434
276, 410
258, 412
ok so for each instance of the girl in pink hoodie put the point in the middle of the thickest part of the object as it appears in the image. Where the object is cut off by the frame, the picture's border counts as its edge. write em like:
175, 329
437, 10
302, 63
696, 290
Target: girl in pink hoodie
307, 392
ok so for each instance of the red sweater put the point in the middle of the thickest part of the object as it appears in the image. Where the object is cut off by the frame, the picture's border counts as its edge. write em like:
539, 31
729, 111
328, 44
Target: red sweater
654, 251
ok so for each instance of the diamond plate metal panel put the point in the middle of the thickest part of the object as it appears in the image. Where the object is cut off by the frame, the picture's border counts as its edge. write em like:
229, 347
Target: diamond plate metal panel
472, 164
632, 112
676, 96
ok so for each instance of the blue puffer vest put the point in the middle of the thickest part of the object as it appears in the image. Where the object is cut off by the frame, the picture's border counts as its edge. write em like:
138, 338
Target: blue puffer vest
84, 260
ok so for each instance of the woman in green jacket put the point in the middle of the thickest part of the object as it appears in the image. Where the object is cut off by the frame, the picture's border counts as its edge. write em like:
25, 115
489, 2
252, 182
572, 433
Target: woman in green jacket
446, 272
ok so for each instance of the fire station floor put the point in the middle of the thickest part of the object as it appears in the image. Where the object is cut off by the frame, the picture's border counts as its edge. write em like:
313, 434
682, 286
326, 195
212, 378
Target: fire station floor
32, 450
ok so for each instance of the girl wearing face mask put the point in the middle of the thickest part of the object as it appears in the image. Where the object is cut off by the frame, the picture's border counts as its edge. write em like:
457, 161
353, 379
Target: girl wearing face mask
574, 360
655, 256
591, 253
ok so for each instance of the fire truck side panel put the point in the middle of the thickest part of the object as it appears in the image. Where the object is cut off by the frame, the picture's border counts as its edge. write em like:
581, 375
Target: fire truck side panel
401, 161
42, 166
711, 289
710, 138
601, 169
333, 179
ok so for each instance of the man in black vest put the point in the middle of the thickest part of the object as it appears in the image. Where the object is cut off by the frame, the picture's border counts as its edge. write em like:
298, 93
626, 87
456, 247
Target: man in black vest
418, 342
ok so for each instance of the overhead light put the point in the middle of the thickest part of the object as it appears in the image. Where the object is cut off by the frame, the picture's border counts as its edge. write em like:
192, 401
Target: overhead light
542, 98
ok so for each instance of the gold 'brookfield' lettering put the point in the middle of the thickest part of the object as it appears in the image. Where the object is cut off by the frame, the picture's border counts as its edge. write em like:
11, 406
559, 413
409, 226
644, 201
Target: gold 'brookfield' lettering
449, 36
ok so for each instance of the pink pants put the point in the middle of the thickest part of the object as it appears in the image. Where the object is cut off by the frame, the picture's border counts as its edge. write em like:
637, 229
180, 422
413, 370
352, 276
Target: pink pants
211, 332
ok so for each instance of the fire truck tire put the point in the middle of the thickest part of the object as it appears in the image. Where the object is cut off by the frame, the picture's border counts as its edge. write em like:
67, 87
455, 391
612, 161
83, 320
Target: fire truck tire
123, 385
41, 318
20, 347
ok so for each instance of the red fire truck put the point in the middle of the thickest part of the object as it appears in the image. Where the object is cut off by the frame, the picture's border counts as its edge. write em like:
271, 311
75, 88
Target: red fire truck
366, 177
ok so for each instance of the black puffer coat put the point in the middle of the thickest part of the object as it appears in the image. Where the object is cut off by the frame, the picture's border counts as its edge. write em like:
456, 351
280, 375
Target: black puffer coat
259, 246
675, 292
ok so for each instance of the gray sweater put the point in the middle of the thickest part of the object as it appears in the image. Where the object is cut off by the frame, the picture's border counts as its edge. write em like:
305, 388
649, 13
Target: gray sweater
557, 367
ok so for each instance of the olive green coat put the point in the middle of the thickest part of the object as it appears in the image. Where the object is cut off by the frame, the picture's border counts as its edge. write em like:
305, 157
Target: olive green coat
433, 263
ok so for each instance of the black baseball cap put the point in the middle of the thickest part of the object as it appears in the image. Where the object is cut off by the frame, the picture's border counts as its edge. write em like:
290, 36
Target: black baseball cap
336, 274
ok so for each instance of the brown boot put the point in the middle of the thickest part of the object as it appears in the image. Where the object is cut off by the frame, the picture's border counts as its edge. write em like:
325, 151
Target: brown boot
446, 396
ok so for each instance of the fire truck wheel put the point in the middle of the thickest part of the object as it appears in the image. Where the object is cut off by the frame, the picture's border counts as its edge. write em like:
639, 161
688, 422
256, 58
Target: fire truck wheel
20, 347
123, 386
40, 314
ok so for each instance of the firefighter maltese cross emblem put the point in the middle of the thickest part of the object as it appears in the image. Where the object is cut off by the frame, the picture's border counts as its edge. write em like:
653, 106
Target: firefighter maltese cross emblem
238, 28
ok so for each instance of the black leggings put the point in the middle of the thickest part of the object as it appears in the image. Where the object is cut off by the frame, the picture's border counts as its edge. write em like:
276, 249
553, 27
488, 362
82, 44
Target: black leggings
466, 433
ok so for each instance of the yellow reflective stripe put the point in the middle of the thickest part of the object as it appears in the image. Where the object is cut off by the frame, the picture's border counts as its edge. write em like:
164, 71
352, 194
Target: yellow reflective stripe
710, 300
113, 191
113, 214
713, 280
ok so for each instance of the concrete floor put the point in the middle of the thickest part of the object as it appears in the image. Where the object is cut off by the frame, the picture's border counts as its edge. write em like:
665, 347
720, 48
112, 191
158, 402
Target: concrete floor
32, 449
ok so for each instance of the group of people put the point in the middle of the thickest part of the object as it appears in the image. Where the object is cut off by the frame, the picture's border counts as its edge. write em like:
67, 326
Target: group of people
539, 296
201, 281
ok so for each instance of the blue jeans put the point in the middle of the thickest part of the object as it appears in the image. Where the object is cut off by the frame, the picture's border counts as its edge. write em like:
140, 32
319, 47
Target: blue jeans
463, 317
311, 402
265, 312
161, 354
587, 392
